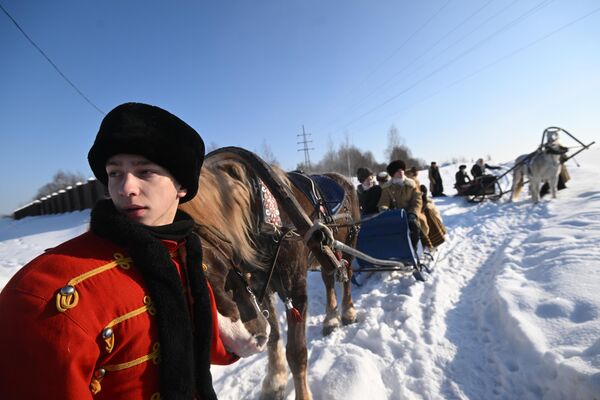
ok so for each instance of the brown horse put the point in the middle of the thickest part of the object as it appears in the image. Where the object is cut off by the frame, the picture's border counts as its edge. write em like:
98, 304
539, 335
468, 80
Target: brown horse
275, 258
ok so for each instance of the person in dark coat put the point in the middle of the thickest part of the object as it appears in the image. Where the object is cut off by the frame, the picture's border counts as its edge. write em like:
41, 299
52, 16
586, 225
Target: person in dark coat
368, 190
478, 169
479, 175
461, 177
436, 186
462, 180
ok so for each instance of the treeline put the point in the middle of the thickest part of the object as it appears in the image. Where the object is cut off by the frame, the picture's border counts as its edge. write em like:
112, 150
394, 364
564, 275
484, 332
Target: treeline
347, 158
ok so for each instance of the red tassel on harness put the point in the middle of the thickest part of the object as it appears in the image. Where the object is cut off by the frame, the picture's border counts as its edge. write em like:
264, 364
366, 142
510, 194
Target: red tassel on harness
293, 312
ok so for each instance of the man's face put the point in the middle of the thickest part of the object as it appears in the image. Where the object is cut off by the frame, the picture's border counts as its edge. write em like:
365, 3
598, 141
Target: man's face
399, 174
143, 191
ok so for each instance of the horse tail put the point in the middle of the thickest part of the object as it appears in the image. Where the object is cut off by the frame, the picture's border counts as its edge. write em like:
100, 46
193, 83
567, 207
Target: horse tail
518, 183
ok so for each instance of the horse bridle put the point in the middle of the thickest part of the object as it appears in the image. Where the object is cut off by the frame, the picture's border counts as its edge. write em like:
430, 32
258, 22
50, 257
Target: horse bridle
213, 238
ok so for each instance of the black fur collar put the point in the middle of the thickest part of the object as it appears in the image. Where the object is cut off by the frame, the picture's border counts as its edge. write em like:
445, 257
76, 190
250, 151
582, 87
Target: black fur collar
185, 346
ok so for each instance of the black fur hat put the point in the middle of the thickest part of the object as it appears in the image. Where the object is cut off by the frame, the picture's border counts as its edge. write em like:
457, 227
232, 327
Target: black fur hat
363, 173
154, 133
395, 166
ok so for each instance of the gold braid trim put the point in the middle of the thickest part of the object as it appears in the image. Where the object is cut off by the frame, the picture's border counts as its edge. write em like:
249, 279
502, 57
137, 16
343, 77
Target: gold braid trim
154, 356
110, 339
68, 297
100, 373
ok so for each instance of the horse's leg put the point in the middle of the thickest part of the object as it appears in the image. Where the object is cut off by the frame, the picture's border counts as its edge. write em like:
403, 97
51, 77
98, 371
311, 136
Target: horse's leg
553, 184
332, 316
534, 188
296, 353
274, 384
348, 310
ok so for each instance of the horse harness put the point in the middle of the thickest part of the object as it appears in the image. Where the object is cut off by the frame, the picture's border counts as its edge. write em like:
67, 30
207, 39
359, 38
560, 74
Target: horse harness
215, 240
548, 148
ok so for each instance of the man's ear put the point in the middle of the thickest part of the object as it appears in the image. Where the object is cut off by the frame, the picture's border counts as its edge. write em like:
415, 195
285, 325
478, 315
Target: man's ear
181, 192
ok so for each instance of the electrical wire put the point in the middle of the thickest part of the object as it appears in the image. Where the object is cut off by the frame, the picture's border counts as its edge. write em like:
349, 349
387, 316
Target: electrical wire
489, 65
444, 36
517, 20
388, 58
51, 62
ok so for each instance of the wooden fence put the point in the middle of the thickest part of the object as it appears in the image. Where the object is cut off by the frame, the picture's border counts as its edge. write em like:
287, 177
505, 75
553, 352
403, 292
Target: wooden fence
73, 198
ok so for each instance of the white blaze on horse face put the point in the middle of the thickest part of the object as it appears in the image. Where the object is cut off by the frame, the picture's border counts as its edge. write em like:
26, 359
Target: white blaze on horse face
237, 339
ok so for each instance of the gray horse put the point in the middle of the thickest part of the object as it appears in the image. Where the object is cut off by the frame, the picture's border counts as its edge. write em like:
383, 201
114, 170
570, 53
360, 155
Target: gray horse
541, 166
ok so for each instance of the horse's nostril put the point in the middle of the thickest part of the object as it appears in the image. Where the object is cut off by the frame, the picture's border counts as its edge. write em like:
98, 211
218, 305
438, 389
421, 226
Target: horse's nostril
261, 340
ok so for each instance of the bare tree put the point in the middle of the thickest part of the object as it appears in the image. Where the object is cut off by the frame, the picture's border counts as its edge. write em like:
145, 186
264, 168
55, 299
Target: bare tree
394, 141
267, 154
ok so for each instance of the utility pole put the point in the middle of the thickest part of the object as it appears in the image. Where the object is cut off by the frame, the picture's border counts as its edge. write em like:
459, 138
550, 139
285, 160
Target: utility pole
304, 142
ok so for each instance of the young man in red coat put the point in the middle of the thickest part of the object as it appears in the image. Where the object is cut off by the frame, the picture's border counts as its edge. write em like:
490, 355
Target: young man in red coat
123, 311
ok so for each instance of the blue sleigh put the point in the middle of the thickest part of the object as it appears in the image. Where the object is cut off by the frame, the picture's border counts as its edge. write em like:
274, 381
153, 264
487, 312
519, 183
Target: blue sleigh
383, 242
384, 245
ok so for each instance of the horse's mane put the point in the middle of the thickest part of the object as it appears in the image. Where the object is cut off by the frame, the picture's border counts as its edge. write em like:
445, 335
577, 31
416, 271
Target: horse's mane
226, 204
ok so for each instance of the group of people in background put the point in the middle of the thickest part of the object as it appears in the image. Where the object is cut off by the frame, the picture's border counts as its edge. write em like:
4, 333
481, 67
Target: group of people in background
398, 188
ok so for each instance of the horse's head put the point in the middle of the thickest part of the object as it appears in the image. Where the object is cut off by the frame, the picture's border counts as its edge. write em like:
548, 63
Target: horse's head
553, 145
243, 326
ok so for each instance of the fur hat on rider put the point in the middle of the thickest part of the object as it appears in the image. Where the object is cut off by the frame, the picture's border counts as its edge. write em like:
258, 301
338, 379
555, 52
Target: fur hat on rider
154, 133
394, 166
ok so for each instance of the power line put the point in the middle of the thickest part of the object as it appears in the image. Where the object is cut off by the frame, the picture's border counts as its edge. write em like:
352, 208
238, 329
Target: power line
444, 36
388, 58
51, 62
493, 63
517, 20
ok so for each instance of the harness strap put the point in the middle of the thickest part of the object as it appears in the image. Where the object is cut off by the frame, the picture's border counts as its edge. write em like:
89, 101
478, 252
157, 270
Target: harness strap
283, 237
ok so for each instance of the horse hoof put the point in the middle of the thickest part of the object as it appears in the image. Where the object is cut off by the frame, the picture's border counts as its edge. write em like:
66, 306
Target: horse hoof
332, 321
327, 330
349, 316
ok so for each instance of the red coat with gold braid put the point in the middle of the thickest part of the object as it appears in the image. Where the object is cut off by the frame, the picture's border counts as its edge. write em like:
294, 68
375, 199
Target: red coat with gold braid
78, 323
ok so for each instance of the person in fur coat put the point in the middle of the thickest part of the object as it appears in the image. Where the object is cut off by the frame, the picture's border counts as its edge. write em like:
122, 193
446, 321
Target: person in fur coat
433, 235
402, 192
123, 311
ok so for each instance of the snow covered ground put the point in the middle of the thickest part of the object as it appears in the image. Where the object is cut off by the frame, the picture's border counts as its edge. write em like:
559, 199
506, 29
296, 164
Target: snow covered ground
512, 310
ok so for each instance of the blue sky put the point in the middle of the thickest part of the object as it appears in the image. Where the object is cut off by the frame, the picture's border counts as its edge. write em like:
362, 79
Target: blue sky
458, 78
